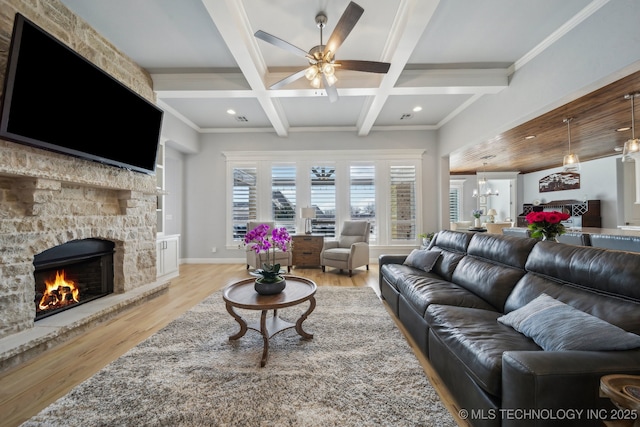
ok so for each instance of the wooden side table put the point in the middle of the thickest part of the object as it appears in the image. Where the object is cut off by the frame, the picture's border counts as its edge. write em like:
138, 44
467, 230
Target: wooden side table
306, 249
614, 387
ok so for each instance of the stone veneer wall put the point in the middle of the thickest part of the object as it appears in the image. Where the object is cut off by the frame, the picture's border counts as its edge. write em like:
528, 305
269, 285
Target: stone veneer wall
47, 199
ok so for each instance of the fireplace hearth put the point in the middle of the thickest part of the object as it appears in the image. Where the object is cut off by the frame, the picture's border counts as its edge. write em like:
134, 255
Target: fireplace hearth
72, 274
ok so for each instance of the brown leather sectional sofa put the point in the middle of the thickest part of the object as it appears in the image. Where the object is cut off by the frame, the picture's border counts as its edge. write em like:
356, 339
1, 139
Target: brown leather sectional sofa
498, 375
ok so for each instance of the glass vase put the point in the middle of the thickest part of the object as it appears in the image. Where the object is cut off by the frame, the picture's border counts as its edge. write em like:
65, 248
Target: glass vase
551, 237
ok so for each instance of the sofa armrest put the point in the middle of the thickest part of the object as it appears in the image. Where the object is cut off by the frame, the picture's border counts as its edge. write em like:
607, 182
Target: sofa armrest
560, 380
359, 254
391, 259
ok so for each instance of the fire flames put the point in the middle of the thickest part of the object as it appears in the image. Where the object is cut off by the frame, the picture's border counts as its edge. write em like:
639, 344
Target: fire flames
59, 293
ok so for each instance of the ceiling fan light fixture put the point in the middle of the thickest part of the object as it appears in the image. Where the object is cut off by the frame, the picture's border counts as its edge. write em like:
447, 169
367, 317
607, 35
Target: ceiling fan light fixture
311, 72
631, 146
571, 161
328, 69
321, 57
316, 81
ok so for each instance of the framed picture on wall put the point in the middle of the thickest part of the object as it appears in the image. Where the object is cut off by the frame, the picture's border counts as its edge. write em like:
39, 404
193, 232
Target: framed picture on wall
559, 181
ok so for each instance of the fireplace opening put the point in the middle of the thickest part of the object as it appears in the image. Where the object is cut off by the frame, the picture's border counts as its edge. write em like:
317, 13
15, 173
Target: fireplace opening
72, 274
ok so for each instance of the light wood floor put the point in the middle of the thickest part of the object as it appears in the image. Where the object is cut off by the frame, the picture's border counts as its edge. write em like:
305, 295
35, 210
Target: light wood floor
32, 386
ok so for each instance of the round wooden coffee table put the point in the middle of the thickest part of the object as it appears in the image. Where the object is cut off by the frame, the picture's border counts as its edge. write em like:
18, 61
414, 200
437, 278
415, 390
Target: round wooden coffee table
242, 295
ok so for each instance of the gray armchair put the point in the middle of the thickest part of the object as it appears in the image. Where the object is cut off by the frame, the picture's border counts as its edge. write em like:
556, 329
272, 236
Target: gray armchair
253, 259
350, 250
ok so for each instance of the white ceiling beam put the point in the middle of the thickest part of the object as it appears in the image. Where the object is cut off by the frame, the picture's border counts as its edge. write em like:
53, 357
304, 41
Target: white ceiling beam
409, 24
411, 82
232, 22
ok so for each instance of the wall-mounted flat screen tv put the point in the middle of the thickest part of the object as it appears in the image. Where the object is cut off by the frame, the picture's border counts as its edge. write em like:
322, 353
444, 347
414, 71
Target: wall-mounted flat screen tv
55, 99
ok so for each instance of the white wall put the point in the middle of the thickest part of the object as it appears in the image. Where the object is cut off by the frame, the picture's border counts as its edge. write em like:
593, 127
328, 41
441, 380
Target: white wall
598, 181
175, 202
205, 178
502, 202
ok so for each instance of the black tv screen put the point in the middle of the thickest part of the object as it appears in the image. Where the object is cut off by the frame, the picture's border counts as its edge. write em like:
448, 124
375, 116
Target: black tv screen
55, 99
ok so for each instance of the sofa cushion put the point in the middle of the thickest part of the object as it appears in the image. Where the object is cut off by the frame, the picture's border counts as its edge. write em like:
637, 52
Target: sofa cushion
453, 246
421, 290
347, 241
491, 281
424, 260
507, 250
393, 273
614, 309
476, 341
556, 326
611, 272
337, 254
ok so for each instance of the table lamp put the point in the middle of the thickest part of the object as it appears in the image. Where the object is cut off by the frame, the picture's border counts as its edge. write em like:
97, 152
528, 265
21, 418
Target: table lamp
308, 214
492, 214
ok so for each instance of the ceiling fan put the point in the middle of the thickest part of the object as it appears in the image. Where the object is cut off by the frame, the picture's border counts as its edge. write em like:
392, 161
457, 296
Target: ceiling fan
322, 62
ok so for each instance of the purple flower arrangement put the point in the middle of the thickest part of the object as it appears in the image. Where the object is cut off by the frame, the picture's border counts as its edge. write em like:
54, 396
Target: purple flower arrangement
260, 239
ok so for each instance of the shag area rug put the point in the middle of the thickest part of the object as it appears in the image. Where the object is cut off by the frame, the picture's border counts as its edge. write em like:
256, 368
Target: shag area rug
358, 370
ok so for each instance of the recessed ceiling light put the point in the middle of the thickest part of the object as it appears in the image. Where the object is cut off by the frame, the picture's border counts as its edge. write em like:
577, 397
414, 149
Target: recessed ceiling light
529, 137
417, 108
230, 111
623, 129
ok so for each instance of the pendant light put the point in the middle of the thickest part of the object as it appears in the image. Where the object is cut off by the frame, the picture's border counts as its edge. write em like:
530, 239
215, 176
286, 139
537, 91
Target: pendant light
632, 146
482, 183
571, 162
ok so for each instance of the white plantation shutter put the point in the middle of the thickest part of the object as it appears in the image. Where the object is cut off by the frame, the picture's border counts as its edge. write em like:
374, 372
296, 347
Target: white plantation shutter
362, 192
454, 202
244, 200
283, 192
402, 219
323, 199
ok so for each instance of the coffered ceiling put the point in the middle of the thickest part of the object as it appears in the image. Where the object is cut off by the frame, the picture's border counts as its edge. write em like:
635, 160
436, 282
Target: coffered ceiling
444, 55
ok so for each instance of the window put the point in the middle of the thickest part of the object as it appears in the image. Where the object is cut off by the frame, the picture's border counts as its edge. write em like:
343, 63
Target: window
283, 193
244, 206
403, 202
362, 192
323, 199
381, 186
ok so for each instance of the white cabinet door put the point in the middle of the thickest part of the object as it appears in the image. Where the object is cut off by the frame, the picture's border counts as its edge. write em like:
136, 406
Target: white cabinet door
167, 260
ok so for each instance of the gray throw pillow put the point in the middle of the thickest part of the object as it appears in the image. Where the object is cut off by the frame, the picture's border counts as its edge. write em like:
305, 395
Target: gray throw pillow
424, 260
556, 326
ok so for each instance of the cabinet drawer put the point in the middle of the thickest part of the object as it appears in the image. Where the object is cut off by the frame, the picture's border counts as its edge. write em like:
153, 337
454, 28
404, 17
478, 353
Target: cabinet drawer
306, 258
306, 249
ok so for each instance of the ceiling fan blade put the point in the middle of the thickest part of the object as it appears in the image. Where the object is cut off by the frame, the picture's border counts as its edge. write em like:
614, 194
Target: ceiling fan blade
332, 92
282, 44
293, 77
367, 66
347, 21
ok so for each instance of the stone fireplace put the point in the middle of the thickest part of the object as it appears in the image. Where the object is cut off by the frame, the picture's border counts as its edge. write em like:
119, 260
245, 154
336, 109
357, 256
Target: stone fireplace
48, 200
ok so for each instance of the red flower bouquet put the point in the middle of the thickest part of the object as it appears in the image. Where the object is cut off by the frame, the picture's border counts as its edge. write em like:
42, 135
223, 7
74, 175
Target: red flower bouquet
547, 225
